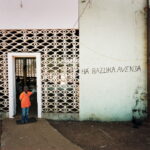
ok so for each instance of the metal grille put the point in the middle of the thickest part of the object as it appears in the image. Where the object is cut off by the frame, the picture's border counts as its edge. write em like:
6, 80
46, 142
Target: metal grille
30, 65
60, 66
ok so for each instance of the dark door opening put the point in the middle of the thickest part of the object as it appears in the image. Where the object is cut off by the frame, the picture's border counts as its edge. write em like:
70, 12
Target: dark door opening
25, 72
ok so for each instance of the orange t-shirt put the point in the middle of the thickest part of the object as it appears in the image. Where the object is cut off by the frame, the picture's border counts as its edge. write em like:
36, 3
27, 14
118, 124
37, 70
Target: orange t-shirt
25, 99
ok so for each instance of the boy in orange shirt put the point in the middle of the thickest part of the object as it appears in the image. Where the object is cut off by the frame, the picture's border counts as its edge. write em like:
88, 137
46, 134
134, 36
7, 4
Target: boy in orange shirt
25, 104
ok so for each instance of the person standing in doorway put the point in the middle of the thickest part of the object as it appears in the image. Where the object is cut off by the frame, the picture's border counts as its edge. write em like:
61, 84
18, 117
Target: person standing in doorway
25, 104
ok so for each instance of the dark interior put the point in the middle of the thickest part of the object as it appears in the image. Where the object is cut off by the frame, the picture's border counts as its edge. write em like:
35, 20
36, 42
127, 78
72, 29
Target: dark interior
25, 69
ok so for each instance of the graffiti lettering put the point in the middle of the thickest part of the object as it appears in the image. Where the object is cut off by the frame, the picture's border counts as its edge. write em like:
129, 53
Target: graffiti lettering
103, 70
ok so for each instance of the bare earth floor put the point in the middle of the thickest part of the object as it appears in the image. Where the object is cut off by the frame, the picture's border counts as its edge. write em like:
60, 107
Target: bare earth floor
105, 136
33, 136
0, 132
87, 135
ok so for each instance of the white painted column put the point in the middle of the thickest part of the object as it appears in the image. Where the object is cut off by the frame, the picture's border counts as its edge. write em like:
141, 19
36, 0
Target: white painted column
11, 81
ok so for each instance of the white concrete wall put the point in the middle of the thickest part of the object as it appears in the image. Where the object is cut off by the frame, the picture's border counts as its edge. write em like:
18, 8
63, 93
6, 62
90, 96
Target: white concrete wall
38, 14
112, 34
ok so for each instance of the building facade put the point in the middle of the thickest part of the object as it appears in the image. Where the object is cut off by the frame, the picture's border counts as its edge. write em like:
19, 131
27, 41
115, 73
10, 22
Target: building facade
91, 56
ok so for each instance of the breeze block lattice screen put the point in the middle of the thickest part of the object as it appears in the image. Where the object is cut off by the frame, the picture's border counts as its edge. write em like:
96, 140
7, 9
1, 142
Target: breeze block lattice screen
60, 66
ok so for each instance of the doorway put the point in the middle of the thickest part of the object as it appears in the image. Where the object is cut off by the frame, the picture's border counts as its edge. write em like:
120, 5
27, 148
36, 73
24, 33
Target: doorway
24, 69
25, 75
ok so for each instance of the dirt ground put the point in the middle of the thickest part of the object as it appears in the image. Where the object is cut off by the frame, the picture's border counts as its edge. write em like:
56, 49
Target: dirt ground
0, 131
39, 135
106, 136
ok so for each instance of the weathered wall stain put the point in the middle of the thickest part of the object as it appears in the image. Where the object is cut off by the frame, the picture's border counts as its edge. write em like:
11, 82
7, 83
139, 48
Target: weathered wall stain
139, 110
148, 55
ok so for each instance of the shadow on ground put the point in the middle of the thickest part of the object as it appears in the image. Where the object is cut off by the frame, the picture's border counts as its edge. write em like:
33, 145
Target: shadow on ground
106, 136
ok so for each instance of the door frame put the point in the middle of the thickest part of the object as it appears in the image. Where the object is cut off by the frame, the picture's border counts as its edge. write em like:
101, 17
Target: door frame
12, 81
